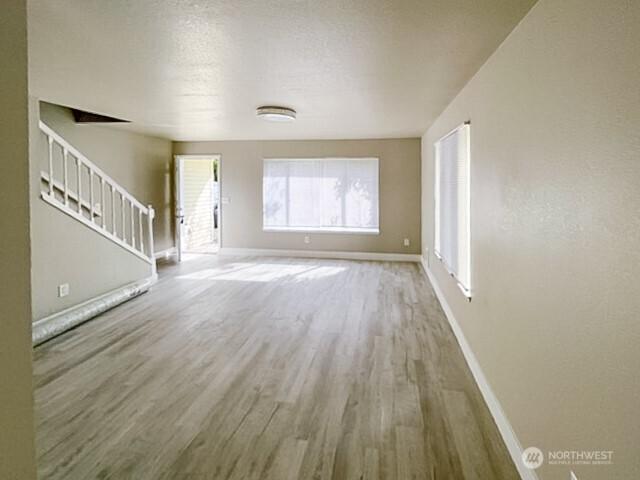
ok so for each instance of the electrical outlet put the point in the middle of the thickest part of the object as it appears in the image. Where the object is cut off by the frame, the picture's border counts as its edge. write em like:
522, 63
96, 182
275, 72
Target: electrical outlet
63, 290
307, 239
407, 242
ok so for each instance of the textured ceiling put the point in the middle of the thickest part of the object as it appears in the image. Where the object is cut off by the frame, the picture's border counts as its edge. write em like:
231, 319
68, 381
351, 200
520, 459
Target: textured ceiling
197, 69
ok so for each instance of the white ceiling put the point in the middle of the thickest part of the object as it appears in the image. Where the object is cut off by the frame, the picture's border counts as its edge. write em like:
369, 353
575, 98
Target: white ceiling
197, 69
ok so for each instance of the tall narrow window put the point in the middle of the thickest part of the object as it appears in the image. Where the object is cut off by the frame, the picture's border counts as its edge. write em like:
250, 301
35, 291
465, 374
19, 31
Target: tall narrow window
321, 194
453, 205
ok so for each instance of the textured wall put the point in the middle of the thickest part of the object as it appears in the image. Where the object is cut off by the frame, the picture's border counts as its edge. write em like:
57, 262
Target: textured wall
241, 181
555, 167
17, 457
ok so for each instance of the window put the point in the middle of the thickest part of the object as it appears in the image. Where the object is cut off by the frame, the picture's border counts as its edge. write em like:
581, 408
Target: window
452, 205
320, 194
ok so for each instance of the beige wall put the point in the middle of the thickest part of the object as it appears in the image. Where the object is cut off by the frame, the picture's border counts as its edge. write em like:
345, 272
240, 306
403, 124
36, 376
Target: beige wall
17, 457
140, 163
65, 251
555, 158
241, 181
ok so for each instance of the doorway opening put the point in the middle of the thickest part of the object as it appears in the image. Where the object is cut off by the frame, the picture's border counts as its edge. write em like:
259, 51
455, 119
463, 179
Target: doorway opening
198, 204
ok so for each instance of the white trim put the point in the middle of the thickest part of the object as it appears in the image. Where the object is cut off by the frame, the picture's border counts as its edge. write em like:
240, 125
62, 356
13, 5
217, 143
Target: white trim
330, 157
168, 252
466, 292
82, 163
177, 208
102, 231
178, 164
59, 186
92, 166
53, 325
506, 431
268, 252
373, 230
323, 230
465, 289
453, 130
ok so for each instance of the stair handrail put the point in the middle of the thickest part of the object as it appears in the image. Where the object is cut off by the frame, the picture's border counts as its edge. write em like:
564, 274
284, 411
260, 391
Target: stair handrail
134, 244
76, 153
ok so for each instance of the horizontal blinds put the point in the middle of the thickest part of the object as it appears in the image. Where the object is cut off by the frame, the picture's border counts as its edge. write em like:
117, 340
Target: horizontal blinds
321, 194
452, 215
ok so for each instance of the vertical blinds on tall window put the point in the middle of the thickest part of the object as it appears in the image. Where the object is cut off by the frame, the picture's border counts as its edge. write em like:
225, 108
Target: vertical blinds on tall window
321, 194
452, 205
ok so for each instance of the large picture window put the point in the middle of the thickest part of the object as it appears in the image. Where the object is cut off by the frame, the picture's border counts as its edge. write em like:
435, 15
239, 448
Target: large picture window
321, 194
452, 205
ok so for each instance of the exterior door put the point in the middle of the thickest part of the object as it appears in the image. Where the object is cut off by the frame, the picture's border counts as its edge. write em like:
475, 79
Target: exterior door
197, 209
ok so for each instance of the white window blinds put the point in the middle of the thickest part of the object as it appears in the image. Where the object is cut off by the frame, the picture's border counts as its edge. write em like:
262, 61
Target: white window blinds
452, 205
321, 194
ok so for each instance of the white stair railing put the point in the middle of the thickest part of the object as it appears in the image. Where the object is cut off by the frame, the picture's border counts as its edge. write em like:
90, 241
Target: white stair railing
92, 197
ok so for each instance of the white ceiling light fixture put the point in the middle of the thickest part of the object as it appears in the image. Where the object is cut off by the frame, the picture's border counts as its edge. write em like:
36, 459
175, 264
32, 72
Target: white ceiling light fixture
276, 114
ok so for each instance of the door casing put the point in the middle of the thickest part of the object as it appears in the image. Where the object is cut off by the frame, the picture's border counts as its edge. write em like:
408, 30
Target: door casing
178, 161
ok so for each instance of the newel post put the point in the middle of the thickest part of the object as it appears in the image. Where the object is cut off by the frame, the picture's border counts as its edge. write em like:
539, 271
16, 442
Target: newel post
150, 216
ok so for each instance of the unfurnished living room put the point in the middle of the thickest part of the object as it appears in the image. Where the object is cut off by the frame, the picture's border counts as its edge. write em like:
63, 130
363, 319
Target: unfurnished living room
296, 239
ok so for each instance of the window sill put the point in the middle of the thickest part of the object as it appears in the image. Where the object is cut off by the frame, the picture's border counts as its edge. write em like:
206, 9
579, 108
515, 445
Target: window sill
465, 291
338, 230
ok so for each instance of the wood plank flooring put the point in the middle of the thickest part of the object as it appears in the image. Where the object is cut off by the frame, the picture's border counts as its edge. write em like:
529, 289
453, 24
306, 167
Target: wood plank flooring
266, 368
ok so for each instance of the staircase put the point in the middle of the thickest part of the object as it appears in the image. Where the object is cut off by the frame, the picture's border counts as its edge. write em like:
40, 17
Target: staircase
80, 189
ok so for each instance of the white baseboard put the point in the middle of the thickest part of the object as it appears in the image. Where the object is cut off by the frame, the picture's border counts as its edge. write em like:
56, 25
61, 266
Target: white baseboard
165, 253
53, 325
506, 431
385, 257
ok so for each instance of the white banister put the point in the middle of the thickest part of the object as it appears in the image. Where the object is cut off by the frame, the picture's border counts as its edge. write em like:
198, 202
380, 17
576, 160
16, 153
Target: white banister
140, 228
51, 167
124, 218
65, 175
71, 195
113, 210
79, 164
150, 217
76, 153
133, 230
102, 217
92, 209
75, 206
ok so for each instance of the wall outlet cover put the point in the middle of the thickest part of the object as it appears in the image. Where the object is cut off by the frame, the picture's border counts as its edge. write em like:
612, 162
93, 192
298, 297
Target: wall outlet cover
63, 290
407, 242
307, 239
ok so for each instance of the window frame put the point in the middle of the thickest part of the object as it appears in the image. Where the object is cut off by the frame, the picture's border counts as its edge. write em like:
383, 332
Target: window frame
465, 289
322, 230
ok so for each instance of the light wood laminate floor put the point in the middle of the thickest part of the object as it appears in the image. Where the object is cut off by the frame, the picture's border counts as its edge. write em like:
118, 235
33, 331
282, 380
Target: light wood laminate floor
266, 368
